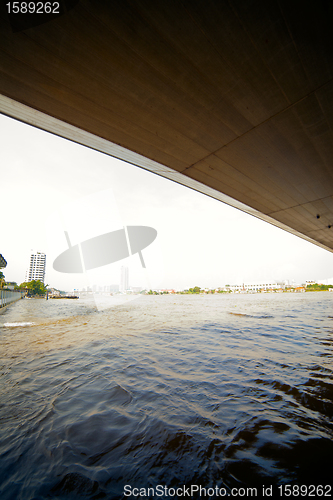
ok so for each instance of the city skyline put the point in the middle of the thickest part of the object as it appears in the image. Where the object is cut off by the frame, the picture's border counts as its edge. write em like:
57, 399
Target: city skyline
200, 241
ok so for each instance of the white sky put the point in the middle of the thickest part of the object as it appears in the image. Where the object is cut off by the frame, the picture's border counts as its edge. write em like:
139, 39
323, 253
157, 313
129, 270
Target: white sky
49, 185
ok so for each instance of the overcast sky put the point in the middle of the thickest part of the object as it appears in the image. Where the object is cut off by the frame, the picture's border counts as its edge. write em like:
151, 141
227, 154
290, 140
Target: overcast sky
49, 185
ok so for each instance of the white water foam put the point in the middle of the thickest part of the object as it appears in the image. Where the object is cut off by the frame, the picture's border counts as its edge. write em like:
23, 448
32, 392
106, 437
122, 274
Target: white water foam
23, 323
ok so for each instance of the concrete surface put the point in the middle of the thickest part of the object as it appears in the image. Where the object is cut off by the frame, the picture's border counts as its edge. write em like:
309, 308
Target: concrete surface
232, 98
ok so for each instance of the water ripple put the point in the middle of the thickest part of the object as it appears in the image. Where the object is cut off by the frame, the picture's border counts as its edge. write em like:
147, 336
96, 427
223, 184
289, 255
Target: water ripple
168, 390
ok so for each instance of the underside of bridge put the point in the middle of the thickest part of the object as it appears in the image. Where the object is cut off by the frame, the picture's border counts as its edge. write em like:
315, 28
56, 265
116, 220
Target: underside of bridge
231, 98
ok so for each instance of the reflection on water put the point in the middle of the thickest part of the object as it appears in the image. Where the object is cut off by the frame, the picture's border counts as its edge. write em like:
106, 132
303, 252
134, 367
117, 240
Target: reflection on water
167, 390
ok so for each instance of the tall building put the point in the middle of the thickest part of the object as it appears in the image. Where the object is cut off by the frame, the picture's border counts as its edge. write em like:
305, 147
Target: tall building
36, 267
124, 279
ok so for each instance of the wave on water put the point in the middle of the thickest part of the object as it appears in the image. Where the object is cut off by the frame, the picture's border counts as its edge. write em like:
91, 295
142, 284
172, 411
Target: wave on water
244, 315
20, 323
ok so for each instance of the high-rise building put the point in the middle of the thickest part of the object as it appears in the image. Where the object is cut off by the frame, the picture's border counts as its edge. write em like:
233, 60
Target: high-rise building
36, 267
124, 279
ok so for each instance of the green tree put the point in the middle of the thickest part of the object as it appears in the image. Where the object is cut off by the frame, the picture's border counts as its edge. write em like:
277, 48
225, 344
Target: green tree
315, 287
35, 287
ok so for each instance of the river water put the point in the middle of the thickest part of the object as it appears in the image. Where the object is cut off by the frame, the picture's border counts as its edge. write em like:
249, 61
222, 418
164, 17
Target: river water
220, 391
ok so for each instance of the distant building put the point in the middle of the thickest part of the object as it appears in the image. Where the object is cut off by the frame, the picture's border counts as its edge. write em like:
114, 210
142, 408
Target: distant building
309, 283
36, 267
10, 285
124, 282
111, 288
265, 287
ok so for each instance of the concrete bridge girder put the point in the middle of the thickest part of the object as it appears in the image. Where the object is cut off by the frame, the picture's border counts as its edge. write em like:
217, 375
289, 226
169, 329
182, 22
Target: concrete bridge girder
232, 98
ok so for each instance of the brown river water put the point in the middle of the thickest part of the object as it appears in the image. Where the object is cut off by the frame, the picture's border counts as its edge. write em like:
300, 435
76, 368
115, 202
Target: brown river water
165, 395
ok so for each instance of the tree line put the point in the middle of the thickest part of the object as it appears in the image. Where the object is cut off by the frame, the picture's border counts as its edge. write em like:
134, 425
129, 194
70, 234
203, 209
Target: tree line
33, 288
